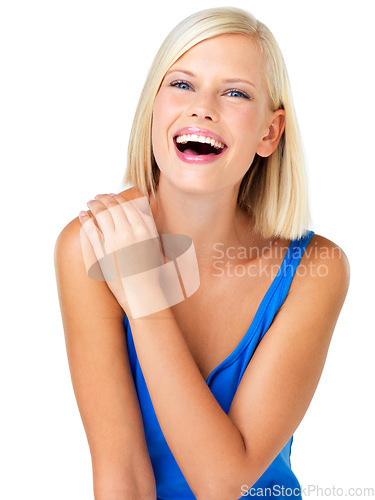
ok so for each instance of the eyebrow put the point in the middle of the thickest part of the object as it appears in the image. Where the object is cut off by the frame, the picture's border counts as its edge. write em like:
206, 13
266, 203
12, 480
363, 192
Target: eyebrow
227, 80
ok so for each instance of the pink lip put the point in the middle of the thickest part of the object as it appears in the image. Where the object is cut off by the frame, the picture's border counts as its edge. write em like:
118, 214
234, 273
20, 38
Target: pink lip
198, 159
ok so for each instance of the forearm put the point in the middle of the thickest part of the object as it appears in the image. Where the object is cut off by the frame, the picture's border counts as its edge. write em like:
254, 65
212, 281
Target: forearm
125, 479
120, 462
111, 416
133, 491
206, 444
123, 471
109, 491
101, 375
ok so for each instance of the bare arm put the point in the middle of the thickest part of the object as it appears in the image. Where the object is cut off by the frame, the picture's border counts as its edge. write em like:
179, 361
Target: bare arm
219, 453
101, 377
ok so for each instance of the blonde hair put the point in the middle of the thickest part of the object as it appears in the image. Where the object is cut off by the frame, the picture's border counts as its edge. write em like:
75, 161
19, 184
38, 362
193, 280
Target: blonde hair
274, 189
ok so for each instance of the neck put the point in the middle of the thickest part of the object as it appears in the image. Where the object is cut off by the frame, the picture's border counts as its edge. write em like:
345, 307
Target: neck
207, 218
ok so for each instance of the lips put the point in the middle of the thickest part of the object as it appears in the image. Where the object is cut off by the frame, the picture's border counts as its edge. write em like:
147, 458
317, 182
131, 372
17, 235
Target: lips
198, 146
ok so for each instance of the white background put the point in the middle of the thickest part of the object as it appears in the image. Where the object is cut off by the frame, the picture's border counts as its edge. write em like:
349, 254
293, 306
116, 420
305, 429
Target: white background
71, 75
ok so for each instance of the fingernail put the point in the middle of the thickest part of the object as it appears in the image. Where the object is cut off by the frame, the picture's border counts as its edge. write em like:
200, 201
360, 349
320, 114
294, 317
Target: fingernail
97, 196
112, 194
82, 214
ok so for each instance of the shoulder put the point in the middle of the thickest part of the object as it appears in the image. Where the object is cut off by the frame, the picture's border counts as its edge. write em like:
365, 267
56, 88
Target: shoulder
68, 242
321, 280
327, 261
286, 366
73, 283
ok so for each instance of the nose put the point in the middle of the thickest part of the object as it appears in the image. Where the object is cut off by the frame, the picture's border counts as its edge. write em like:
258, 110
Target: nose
203, 107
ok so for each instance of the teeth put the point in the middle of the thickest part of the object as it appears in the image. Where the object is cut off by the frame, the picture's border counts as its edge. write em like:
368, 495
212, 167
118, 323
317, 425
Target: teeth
183, 139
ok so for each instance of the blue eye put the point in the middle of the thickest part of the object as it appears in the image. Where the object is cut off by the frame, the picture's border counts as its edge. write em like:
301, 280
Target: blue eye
181, 85
237, 93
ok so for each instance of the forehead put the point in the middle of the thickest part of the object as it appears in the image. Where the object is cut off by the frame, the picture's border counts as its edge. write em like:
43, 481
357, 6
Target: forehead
233, 54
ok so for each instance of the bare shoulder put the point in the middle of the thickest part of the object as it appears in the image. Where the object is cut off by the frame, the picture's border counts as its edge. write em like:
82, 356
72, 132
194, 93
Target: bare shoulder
321, 280
67, 253
76, 290
323, 248
326, 261
280, 381
131, 193
69, 243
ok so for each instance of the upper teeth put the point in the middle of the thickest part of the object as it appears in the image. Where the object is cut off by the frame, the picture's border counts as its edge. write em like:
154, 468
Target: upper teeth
199, 138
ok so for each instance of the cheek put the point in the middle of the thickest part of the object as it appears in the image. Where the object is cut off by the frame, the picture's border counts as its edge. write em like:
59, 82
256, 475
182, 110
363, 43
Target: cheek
157, 113
166, 110
158, 117
246, 130
160, 125
246, 121
166, 105
162, 116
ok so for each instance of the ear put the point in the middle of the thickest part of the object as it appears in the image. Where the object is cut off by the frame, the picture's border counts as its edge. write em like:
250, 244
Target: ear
268, 144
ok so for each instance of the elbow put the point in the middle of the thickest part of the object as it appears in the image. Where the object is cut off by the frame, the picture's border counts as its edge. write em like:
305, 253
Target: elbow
233, 485
225, 488
213, 494
221, 492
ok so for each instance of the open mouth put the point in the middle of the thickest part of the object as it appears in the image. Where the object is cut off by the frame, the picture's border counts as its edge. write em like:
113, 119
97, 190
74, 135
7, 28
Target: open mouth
193, 147
198, 148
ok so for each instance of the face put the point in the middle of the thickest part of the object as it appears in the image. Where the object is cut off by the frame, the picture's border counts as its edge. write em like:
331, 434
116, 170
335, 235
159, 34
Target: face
212, 114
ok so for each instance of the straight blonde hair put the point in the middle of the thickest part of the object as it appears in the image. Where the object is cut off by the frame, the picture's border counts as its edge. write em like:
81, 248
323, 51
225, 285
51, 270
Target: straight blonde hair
274, 190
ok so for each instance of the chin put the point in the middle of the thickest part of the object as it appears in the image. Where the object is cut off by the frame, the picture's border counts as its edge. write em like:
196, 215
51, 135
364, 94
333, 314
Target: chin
189, 183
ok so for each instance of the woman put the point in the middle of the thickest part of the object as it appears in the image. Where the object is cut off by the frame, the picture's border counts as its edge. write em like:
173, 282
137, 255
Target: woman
188, 400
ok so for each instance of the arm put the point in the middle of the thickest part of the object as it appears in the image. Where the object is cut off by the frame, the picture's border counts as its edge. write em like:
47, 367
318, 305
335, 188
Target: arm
216, 452
101, 377
219, 453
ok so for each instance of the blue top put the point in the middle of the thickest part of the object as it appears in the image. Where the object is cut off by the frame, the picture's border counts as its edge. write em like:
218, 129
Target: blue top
223, 382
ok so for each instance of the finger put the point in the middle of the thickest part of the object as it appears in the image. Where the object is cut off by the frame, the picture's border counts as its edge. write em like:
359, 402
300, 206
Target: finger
100, 265
138, 224
142, 206
91, 233
149, 220
120, 220
132, 214
103, 218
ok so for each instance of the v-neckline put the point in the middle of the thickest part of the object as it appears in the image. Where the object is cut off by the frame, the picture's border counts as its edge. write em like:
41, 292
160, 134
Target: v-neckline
258, 315
257, 318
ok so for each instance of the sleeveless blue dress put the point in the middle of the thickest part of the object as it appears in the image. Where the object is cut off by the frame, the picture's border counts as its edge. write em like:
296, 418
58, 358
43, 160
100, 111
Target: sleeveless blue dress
278, 480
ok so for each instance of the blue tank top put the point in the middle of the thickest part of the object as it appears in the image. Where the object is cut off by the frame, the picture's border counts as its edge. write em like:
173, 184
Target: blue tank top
223, 381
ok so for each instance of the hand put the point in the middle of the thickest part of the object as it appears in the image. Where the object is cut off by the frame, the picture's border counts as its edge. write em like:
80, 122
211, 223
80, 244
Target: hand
122, 242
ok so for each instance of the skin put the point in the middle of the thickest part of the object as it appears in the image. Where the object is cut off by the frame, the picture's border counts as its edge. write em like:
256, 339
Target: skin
193, 337
192, 198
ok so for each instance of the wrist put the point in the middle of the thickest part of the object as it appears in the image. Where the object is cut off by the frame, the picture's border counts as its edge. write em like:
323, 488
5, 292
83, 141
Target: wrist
144, 300
132, 490
125, 479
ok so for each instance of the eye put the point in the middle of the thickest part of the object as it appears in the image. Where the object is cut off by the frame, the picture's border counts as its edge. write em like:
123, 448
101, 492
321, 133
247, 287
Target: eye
181, 84
237, 93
